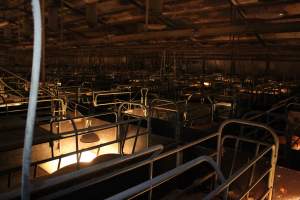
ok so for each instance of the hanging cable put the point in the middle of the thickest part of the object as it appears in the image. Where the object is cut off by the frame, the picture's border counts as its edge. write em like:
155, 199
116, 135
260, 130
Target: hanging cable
34, 86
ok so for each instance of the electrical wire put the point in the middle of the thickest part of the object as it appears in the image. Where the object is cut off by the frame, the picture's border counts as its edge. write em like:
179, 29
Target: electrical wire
34, 86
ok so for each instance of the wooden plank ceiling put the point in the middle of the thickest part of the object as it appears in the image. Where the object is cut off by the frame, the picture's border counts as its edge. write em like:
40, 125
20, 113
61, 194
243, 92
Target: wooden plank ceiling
121, 23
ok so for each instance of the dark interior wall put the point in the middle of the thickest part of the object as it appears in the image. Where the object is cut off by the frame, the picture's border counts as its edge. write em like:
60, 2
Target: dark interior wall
289, 70
280, 69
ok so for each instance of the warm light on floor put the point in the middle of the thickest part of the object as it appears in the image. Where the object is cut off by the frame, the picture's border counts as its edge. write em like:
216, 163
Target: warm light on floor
52, 166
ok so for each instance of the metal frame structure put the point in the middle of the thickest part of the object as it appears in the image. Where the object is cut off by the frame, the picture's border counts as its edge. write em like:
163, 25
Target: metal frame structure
19, 80
75, 133
230, 102
156, 181
97, 95
160, 105
51, 182
192, 119
54, 111
223, 187
277, 113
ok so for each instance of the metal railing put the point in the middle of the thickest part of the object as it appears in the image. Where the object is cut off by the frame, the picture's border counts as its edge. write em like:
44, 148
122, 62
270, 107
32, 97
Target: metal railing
128, 108
75, 133
24, 82
230, 104
206, 102
273, 148
277, 113
158, 180
56, 180
164, 177
162, 105
76, 174
24, 102
98, 95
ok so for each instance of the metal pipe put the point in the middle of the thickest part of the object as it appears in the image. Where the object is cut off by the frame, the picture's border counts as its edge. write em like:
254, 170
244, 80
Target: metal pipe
143, 163
106, 93
24, 80
95, 128
41, 185
4, 101
30, 121
258, 144
70, 153
43, 58
143, 107
277, 106
170, 152
177, 123
253, 185
236, 175
243, 139
249, 123
76, 143
148, 185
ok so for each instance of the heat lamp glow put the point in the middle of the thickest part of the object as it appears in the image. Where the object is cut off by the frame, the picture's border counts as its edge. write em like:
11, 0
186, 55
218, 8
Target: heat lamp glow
207, 84
129, 111
296, 142
225, 104
52, 166
284, 90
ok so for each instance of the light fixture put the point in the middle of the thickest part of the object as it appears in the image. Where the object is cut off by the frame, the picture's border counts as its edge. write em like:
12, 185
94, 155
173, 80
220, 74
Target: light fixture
207, 84
89, 138
282, 13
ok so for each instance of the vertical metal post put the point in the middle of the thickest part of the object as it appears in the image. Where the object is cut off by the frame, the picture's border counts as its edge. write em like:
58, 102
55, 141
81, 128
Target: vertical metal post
179, 155
31, 113
76, 142
272, 172
136, 136
236, 146
148, 128
78, 93
43, 63
219, 150
253, 169
118, 133
177, 124
150, 178
179, 158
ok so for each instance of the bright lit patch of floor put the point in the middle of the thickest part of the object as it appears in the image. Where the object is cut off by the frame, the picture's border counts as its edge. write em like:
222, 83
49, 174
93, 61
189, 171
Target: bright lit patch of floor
287, 184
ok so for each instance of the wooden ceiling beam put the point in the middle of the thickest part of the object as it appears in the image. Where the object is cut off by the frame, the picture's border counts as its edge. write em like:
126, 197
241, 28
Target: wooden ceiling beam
197, 33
